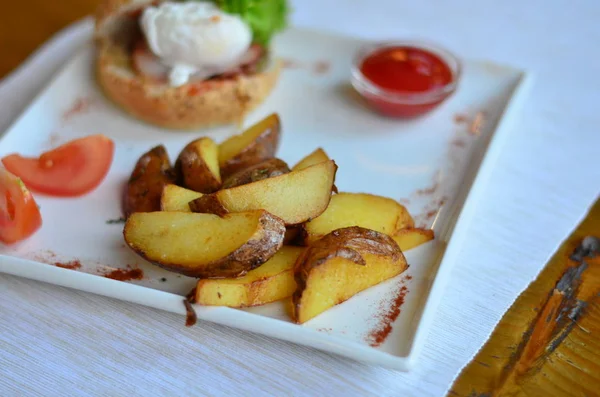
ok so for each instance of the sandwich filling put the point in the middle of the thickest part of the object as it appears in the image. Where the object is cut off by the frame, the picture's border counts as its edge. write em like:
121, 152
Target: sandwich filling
193, 41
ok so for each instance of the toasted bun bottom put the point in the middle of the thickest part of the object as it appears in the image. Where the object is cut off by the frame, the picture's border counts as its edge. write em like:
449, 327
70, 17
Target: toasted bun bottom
191, 106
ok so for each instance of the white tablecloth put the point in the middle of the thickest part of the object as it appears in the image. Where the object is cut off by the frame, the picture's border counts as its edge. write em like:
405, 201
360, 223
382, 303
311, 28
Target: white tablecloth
55, 341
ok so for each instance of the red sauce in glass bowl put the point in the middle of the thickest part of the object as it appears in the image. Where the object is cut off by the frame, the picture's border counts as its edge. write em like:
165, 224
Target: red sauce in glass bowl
405, 79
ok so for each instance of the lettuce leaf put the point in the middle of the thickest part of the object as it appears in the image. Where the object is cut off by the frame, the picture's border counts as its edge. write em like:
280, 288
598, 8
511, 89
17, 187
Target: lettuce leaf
265, 17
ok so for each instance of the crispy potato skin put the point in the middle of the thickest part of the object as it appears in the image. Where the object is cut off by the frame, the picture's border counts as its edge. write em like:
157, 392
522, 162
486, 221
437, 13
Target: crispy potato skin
193, 171
265, 243
348, 243
272, 281
208, 204
263, 170
144, 188
261, 149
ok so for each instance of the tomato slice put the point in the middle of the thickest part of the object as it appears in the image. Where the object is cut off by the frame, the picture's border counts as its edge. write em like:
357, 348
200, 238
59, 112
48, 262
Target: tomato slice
19, 214
72, 169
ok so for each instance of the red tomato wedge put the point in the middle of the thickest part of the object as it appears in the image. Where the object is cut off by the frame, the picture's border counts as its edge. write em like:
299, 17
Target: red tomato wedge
19, 214
72, 169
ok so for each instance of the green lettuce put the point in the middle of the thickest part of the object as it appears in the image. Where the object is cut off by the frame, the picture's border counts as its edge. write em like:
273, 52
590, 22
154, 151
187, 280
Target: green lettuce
265, 17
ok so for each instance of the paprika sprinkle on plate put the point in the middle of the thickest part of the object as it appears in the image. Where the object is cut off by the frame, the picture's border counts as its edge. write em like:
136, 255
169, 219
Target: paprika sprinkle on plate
405, 78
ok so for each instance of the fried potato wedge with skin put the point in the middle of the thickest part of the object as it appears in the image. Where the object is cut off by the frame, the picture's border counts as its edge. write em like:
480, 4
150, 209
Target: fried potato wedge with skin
177, 198
272, 281
316, 157
258, 143
340, 265
263, 170
295, 197
373, 212
205, 245
412, 237
197, 166
151, 173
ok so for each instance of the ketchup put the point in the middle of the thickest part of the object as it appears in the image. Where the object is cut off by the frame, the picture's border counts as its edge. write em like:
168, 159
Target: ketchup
409, 80
406, 69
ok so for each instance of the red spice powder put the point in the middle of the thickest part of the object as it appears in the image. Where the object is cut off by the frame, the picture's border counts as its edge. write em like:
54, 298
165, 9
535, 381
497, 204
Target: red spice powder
435, 185
388, 313
53, 139
321, 67
430, 211
200, 88
459, 143
460, 118
80, 105
125, 274
290, 64
477, 124
73, 265
47, 256
428, 191
193, 90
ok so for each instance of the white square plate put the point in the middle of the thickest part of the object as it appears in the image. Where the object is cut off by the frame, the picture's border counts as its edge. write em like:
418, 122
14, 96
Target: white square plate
435, 165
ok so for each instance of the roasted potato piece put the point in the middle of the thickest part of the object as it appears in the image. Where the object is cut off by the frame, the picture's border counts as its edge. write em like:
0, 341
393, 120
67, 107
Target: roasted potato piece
340, 265
263, 170
358, 209
205, 245
256, 144
176, 198
295, 197
316, 157
272, 281
412, 237
151, 173
197, 166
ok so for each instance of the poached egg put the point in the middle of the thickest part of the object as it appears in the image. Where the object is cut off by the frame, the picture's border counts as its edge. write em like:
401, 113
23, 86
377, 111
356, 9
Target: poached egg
194, 38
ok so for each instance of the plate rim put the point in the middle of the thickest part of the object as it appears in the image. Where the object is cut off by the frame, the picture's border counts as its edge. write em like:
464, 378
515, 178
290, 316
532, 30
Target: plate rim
459, 228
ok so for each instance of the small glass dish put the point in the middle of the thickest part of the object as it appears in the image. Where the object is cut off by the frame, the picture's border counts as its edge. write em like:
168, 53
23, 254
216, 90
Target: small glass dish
404, 104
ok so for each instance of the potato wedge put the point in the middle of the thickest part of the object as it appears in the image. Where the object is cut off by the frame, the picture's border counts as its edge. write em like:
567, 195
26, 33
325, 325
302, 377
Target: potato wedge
256, 144
358, 209
340, 265
316, 157
151, 173
412, 237
197, 166
176, 198
295, 197
205, 245
272, 281
263, 170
